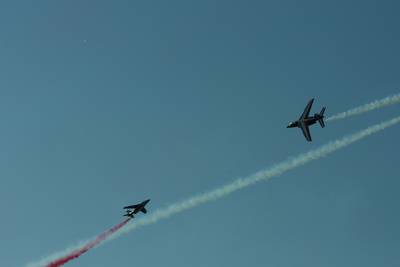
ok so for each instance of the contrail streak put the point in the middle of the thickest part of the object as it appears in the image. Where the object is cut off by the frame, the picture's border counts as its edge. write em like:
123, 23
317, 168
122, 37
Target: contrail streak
66, 257
238, 184
387, 101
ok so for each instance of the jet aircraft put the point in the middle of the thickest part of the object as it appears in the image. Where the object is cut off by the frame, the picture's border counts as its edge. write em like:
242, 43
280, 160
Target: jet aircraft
305, 120
136, 208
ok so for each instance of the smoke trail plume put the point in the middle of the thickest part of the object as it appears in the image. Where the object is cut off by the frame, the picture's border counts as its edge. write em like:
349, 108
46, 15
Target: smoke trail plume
238, 184
387, 101
263, 175
81, 249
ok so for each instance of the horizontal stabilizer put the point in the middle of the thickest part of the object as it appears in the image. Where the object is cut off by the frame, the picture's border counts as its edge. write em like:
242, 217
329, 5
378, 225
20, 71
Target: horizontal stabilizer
321, 118
144, 210
321, 122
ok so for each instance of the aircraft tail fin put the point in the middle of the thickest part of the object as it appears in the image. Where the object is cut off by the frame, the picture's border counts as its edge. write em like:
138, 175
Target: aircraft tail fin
321, 117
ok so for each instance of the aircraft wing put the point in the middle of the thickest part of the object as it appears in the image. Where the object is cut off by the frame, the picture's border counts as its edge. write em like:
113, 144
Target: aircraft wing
131, 207
306, 131
306, 111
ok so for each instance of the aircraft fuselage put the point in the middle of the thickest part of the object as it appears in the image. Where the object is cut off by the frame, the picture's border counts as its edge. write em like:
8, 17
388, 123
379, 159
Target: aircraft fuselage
307, 121
134, 209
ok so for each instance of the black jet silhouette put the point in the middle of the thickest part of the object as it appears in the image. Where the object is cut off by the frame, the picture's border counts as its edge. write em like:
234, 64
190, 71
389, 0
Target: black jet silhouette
304, 121
133, 209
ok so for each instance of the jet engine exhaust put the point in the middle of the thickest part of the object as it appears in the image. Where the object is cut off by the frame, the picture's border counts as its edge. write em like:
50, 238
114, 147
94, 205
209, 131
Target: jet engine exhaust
377, 104
263, 175
79, 251
212, 195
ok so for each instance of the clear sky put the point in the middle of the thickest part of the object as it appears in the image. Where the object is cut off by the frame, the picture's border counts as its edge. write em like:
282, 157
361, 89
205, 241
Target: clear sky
106, 103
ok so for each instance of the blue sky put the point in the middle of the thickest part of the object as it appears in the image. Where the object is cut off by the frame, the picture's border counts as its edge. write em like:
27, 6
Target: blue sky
104, 104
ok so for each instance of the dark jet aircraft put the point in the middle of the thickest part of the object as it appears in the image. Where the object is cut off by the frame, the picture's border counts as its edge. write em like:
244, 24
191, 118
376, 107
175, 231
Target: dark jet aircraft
136, 208
304, 121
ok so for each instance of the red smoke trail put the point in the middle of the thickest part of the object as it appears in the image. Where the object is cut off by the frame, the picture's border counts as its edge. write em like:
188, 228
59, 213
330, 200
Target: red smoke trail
75, 254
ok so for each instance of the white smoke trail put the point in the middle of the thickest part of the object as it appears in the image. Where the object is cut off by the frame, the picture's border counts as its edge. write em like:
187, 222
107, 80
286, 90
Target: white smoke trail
263, 175
387, 101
